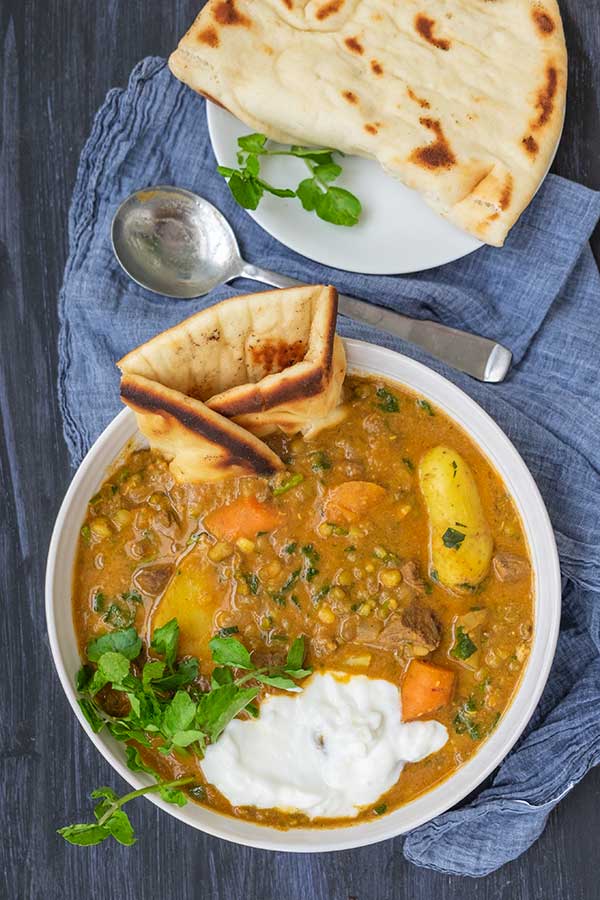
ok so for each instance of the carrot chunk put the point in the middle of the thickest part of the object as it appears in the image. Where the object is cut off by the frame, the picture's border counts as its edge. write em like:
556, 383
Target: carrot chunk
425, 689
243, 518
348, 502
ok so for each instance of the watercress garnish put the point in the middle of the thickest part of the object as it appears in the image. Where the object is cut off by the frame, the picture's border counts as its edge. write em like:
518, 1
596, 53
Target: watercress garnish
166, 709
316, 193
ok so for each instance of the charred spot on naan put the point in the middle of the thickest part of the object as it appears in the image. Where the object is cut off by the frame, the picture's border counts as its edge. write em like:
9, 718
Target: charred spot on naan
372, 127
277, 355
354, 45
545, 97
329, 9
531, 145
208, 36
350, 96
376, 67
424, 26
506, 193
542, 21
424, 104
257, 398
239, 448
226, 13
544, 105
436, 155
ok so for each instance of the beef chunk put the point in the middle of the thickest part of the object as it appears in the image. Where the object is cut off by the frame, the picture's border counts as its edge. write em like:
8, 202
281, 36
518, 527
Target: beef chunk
417, 624
412, 576
509, 567
153, 579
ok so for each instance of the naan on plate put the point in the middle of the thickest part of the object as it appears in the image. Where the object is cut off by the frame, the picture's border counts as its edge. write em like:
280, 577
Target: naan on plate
462, 100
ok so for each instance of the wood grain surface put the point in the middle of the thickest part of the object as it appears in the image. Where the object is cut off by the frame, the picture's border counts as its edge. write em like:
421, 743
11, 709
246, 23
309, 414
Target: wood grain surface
57, 60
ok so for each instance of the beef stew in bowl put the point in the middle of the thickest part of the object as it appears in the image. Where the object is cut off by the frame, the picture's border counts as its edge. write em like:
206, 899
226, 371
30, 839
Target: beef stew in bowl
389, 545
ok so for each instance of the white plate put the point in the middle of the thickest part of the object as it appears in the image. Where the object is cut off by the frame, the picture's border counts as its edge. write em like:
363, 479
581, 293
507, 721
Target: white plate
502, 455
397, 233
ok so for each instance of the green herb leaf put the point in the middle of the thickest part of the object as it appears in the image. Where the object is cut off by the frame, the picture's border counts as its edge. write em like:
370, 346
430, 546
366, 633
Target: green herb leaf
84, 835
308, 193
125, 641
379, 810
321, 157
320, 461
453, 538
93, 717
290, 548
185, 738
83, 677
98, 601
277, 192
339, 207
165, 641
321, 593
221, 675
184, 674
388, 401
279, 681
287, 485
463, 647
217, 708
252, 581
252, 143
229, 630
328, 171
246, 191
463, 720
118, 616
230, 652
311, 554
252, 164
179, 714
113, 666
120, 828
152, 671
426, 406
295, 656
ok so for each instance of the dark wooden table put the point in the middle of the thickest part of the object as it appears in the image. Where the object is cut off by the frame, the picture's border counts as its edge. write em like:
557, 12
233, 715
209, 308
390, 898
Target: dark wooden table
58, 58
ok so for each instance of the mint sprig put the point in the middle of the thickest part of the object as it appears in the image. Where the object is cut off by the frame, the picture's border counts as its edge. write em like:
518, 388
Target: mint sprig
316, 194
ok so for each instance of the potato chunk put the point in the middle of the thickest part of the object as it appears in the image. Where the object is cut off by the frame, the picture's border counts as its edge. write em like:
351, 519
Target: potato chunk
461, 542
192, 597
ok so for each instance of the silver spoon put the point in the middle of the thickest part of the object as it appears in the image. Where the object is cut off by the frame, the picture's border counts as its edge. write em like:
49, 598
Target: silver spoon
175, 243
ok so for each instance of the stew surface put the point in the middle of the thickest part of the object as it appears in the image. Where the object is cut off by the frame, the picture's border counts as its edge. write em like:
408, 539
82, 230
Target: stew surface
341, 548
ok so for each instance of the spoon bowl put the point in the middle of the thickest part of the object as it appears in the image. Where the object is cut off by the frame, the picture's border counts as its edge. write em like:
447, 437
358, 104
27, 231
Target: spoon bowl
174, 242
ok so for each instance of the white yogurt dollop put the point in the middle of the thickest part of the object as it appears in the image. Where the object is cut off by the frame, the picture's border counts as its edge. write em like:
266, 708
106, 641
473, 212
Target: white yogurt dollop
337, 746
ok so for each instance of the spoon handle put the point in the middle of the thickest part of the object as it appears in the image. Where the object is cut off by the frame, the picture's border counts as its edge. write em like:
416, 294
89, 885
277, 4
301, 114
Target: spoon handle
479, 357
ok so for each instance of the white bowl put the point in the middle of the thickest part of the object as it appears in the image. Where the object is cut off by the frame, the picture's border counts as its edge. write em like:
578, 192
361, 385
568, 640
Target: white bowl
503, 456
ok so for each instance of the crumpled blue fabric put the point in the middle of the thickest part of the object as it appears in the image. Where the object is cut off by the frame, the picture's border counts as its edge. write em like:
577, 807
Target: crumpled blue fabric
539, 295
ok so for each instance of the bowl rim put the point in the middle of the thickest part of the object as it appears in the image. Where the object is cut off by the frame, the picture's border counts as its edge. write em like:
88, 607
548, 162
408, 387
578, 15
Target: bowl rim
370, 359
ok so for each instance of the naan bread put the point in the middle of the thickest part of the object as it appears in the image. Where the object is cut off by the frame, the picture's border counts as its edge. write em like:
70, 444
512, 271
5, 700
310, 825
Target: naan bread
462, 100
205, 390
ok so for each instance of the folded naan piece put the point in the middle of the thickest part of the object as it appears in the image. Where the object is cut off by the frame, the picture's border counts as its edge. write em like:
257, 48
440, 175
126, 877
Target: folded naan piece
207, 390
462, 100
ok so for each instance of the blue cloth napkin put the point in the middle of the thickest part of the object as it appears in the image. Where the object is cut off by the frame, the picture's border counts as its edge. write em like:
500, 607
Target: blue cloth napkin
539, 295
